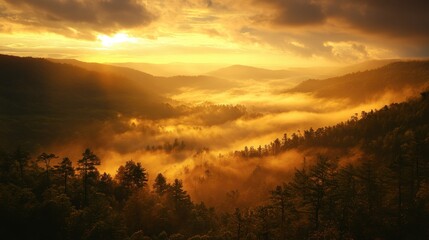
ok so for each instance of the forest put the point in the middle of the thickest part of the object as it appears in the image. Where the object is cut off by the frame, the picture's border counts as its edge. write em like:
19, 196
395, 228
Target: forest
384, 195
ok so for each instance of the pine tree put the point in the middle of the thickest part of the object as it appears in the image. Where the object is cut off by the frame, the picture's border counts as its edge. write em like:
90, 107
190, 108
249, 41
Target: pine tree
86, 166
280, 201
22, 158
160, 185
180, 197
46, 159
131, 177
66, 170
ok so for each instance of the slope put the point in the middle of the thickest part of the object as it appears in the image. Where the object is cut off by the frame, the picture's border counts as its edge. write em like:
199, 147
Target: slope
160, 85
364, 66
44, 100
359, 87
171, 69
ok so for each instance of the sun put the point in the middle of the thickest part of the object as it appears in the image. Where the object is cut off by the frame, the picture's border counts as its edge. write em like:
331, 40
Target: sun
109, 41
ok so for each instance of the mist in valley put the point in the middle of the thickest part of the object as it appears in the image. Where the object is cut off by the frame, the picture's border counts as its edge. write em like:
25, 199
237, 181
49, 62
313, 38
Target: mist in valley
191, 132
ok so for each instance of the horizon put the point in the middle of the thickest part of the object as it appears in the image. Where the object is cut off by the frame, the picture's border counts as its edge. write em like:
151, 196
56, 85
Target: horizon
259, 33
218, 65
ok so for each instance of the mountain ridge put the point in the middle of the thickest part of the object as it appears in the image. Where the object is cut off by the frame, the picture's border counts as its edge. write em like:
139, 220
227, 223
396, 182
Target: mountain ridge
38, 98
243, 72
159, 84
362, 86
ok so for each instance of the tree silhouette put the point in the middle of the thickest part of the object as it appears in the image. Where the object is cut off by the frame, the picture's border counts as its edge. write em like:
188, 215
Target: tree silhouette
238, 219
66, 170
46, 159
86, 166
280, 200
132, 175
160, 185
21, 157
179, 196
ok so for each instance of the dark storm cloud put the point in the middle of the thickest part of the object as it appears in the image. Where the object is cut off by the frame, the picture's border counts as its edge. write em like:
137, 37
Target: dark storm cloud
96, 15
295, 12
408, 19
392, 17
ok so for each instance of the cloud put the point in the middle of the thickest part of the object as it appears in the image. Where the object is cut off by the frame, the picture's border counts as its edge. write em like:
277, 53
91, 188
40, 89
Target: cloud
396, 18
403, 19
348, 51
106, 16
326, 43
294, 29
295, 12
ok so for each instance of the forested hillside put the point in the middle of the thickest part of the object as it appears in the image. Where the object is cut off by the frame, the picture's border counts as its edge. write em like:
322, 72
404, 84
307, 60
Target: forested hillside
395, 78
38, 98
44, 103
158, 84
383, 194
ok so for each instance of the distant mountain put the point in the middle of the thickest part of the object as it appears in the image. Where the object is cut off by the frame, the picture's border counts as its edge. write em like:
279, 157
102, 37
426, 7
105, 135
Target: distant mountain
171, 69
305, 73
160, 85
41, 100
361, 86
364, 66
241, 72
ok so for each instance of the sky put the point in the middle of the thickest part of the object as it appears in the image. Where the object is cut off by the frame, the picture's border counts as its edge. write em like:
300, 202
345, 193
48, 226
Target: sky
270, 33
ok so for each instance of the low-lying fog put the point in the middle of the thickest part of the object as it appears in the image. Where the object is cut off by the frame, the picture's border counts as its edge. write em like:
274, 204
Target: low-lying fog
197, 146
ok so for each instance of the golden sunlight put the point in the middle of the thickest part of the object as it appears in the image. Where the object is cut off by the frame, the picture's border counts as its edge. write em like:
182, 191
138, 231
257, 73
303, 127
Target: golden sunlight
108, 41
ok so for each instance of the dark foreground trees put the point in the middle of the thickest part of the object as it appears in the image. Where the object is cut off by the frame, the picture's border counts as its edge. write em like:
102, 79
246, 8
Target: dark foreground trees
324, 200
91, 205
